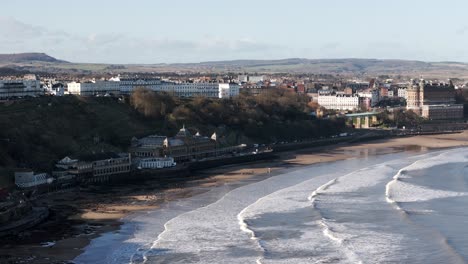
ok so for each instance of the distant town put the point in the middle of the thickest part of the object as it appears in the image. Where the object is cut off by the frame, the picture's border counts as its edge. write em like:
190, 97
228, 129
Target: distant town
431, 99
233, 132
367, 104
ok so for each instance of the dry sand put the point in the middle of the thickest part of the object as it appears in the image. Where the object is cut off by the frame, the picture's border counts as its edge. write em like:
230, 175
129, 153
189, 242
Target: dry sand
87, 213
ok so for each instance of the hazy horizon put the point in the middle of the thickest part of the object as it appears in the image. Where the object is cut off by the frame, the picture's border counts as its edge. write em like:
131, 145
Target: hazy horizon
234, 60
152, 32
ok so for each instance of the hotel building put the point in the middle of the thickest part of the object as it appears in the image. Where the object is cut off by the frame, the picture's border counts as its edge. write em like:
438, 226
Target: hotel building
127, 86
340, 101
433, 100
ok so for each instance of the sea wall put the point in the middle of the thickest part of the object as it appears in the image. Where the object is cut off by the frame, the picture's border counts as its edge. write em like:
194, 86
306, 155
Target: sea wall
207, 164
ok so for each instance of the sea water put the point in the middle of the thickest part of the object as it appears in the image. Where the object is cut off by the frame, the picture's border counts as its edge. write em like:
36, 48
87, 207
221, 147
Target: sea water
394, 208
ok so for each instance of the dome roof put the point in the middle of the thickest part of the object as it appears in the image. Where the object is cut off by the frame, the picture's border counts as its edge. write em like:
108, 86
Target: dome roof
183, 132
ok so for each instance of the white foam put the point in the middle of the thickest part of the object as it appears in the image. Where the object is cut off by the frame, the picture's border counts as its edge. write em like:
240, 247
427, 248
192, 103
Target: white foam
397, 190
335, 199
320, 189
245, 228
209, 232
242, 218
407, 192
300, 196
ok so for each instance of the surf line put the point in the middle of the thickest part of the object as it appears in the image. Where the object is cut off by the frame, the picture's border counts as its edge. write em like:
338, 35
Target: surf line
442, 239
244, 227
327, 230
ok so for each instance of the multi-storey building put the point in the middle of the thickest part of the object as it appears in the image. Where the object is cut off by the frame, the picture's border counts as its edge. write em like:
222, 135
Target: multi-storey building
155, 163
20, 88
93, 88
253, 89
401, 92
433, 100
112, 166
127, 86
101, 166
256, 79
184, 146
340, 101
374, 96
227, 90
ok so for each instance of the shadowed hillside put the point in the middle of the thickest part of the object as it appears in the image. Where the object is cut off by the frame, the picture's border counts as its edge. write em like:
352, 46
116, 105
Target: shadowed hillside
36, 133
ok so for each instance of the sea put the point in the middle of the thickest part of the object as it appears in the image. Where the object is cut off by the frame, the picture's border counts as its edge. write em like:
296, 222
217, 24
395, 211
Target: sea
406, 207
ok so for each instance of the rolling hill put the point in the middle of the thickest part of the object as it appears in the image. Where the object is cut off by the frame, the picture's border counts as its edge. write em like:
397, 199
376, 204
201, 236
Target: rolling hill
40, 62
27, 58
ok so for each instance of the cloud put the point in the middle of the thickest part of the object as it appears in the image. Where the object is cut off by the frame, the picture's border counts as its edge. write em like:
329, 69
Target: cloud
462, 31
13, 29
123, 48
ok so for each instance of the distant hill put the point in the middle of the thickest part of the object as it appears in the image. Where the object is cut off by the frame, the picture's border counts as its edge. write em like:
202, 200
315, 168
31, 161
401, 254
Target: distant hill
347, 66
28, 57
40, 62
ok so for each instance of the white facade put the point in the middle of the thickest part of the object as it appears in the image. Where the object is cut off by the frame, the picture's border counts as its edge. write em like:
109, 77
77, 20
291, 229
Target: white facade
250, 79
256, 79
156, 163
339, 102
128, 85
28, 179
402, 92
227, 90
116, 86
20, 88
93, 88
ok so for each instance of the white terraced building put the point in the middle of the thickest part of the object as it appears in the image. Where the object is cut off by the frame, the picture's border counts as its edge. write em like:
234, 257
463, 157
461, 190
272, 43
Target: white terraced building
156, 163
127, 86
20, 88
339, 101
93, 88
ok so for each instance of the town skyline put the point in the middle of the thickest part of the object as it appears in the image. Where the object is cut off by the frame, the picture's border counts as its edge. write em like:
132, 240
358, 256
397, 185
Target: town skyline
160, 32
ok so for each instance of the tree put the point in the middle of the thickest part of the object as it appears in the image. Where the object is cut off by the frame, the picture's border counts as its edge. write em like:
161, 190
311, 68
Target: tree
152, 104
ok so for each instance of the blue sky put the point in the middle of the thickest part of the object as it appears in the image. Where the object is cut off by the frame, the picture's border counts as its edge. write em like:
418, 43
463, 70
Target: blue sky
156, 31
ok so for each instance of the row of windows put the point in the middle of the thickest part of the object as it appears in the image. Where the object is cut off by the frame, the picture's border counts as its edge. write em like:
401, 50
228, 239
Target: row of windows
144, 154
112, 170
110, 162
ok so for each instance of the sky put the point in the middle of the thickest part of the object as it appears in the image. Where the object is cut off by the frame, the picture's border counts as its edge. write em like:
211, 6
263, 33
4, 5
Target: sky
179, 31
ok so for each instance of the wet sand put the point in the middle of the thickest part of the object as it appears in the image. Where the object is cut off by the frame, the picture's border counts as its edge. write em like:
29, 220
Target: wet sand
78, 216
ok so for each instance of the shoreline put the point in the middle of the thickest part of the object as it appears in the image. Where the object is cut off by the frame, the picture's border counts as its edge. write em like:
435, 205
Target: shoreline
76, 218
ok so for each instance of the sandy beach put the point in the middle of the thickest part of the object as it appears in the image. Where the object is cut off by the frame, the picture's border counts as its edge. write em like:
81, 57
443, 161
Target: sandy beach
79, 215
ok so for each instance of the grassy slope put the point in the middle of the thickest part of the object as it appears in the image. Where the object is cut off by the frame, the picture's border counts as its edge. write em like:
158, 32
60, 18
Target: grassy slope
341, 66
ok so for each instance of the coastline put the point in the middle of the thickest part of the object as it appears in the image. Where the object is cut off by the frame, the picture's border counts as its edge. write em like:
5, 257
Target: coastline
77, 217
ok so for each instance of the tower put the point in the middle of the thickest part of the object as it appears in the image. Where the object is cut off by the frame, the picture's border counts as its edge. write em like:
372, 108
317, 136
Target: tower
422, 85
